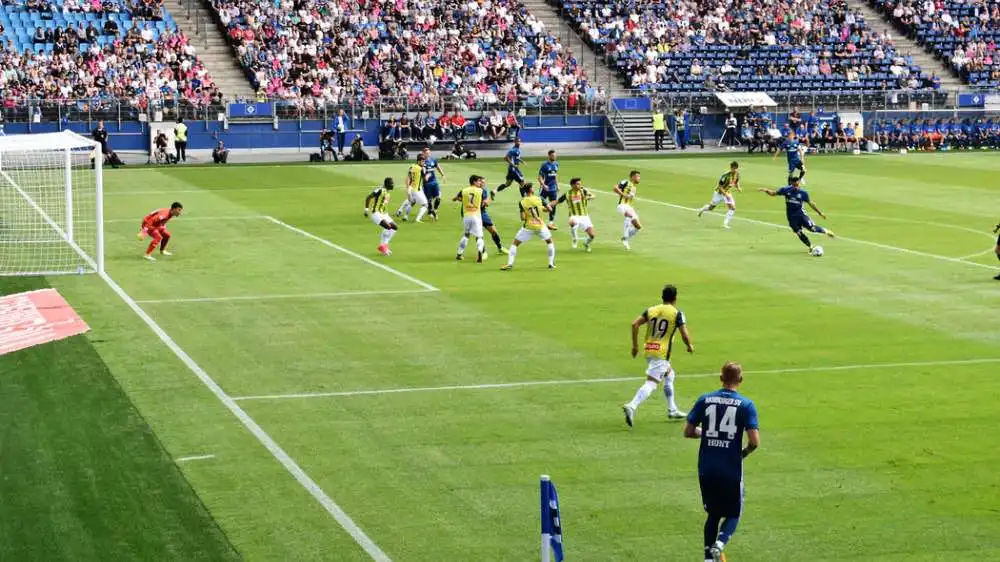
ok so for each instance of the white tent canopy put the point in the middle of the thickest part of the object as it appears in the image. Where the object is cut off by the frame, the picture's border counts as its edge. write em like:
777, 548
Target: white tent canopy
745, 99
45, 141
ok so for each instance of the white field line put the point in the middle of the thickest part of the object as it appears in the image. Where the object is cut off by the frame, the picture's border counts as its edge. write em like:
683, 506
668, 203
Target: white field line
977, 254
282, 297
186, 218
608, 380
194, 458
369, 261
845, 239
266, 440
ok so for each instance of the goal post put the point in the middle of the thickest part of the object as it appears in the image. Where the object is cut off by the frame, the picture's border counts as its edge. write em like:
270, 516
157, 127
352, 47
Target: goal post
51, 205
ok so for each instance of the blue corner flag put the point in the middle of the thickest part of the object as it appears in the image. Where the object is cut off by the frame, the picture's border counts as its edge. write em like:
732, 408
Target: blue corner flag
551, 527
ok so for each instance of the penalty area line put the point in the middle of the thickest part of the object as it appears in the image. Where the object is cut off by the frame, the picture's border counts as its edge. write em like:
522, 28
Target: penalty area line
351, 253
194, 458
282, 297
286, 461
494, 386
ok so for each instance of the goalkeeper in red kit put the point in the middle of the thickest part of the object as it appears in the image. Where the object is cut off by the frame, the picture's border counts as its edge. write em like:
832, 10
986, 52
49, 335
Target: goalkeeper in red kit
155, 224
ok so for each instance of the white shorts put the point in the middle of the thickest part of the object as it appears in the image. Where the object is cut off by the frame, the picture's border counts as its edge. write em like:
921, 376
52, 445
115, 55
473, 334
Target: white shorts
658, 368
417, 198
582, 222
719, 198
524, 234
473, 225
378, 218
626, 210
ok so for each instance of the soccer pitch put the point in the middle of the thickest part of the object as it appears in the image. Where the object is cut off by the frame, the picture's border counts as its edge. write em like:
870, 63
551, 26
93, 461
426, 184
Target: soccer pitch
405, 406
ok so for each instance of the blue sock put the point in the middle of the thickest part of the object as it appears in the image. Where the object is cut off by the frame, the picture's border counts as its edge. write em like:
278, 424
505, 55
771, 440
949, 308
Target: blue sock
711, 532
805, 239
496, 239
728, 528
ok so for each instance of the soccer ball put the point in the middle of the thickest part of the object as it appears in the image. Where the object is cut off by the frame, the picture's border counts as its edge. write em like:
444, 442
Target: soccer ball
817, 251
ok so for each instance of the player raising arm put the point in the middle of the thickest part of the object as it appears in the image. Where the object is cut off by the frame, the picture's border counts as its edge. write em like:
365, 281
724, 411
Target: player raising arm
719, 419
577, 199
729, 182
473, 204
532, 225
414, 192
375, 205
625, 190
155, 224
798, 220
662, 322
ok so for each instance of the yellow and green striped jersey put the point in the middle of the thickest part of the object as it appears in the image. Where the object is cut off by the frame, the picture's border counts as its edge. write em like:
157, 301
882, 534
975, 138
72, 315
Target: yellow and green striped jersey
577, 200
628, 191
416, 177
379, 199
532, 211
728, 181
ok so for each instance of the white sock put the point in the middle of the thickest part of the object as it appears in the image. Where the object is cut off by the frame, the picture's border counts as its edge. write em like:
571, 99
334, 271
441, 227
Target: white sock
385, 235
632, 231
572, 232
627, 228
590, 239
704, 209
480, 246
552, 254
668, 391
511, 254
404, 209
421, 212
729, 217
642, 394
462, 244
389, 234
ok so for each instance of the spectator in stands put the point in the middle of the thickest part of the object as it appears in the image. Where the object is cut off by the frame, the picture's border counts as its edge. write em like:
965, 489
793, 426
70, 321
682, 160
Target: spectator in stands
405, 133
39, 36
483, 126
444, 125
496, 128
111, 27
512, 125
458, 123
220, 154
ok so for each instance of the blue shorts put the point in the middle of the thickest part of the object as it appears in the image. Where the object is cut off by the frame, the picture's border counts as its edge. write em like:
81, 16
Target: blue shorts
432, 190
514, 174
487, 221
721, 495
796, 165
802, 222
549, 194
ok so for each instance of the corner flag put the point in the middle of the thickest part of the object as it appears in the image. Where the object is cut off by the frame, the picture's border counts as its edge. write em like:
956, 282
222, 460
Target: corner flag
551, 527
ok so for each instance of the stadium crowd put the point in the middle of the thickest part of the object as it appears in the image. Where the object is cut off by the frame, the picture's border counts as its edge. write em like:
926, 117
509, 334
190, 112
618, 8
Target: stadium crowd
417, 51
964, 33
722, 45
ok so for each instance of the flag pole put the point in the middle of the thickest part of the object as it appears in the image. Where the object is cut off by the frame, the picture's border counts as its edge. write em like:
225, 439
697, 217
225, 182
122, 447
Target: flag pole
546, 555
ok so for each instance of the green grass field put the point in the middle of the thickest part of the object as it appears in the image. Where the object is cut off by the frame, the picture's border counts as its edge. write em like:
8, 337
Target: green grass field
423, 397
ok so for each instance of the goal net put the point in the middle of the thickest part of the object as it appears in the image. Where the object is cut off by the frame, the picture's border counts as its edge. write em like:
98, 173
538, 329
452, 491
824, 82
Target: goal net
50, 205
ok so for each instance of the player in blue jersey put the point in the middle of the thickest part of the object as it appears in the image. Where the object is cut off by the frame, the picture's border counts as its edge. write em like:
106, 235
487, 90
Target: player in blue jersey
514, 173
798, 220
488, 222
548, 179
719, 419
432, 189
793, 151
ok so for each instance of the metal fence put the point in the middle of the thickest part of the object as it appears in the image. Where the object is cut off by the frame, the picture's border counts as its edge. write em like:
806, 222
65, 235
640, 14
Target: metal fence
121, 110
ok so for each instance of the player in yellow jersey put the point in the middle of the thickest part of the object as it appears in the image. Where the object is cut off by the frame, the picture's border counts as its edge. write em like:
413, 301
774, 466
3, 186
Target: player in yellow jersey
414, 192
662, 322
532, 225
577, 199
625, 190
472, 202
375, 208
728, 183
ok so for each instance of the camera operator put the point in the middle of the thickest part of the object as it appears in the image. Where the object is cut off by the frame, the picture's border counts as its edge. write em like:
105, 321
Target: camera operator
326, 145
357, 150
160, 155
220, 154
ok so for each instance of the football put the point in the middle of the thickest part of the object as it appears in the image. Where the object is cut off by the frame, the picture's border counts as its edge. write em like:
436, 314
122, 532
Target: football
817, 251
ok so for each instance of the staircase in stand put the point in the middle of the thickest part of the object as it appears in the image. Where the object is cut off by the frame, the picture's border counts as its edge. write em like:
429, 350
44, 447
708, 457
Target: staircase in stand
633, 130
195, 19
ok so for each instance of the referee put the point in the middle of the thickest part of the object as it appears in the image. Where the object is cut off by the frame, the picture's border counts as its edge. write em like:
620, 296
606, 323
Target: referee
719, 419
